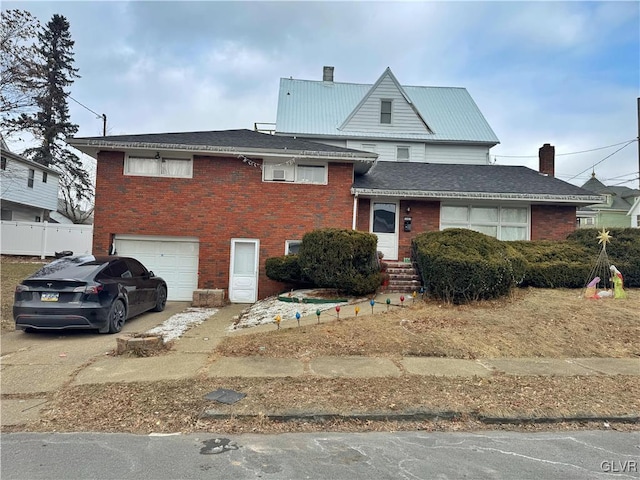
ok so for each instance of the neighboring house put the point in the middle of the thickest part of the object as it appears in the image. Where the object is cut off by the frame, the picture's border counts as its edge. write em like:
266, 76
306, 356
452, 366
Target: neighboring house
29, 190
620, 206
433, 169
61, 215
206, 209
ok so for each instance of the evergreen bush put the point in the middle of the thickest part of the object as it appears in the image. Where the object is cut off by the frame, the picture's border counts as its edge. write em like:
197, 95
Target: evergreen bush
285, 269
459, 265
343, 259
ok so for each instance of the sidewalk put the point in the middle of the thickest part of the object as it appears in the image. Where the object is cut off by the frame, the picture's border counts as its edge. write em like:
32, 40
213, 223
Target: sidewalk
35, 373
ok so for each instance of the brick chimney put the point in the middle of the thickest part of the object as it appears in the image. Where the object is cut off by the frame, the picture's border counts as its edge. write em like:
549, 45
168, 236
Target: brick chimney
327, 74
547, 154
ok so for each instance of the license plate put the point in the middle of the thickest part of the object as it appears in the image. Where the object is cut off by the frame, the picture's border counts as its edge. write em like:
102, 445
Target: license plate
49, 297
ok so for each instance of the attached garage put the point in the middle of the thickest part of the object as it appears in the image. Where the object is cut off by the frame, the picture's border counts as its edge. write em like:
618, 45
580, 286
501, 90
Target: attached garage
173, 258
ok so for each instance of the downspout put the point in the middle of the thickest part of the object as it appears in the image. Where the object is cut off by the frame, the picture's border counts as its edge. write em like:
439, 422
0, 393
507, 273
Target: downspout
355, 211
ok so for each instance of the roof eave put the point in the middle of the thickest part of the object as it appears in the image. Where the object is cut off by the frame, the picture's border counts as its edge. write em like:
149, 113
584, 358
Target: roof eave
523, 197
92, 147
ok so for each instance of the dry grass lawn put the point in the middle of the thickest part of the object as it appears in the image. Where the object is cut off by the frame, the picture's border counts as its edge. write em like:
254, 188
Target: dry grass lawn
12, 271
531, 323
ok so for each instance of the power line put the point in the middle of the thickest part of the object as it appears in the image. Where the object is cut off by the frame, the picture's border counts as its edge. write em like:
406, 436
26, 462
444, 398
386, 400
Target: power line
570, 153
608, 156
99, 115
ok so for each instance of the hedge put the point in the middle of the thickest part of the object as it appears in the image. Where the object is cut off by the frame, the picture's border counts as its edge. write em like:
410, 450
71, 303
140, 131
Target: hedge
342, 259
459, 265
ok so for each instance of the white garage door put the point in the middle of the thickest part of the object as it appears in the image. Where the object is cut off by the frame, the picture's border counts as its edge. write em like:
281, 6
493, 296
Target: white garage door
173, 258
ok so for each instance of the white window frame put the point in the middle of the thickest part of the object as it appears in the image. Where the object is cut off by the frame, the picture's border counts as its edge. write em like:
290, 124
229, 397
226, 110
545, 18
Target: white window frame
288, 244
390, 113
294, 172
159, 170
499, 224
403, 147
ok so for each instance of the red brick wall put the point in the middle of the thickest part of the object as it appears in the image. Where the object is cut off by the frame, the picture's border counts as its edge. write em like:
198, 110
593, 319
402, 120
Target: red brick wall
552, 222
225, 199
425, 217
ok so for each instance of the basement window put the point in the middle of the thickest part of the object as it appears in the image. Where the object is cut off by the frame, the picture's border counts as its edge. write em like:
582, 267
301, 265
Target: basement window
292, 247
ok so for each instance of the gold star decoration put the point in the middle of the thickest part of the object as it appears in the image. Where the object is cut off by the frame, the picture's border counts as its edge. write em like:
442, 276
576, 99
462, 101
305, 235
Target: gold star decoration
604, 237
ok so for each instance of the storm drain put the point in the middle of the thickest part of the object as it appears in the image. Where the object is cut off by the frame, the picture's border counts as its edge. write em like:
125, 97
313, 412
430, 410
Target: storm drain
223, 395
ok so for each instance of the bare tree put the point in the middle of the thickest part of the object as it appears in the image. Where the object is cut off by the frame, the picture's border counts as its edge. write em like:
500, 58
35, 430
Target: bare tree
19, 67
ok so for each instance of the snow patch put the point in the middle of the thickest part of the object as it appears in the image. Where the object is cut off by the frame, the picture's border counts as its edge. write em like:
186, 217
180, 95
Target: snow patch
179, 323
265, 311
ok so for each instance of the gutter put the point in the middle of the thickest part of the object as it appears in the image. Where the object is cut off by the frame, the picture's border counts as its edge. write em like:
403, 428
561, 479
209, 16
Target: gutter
547, 198
209, 149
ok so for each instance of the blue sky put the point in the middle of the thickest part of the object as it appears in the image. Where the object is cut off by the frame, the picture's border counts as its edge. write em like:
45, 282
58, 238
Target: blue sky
565, 73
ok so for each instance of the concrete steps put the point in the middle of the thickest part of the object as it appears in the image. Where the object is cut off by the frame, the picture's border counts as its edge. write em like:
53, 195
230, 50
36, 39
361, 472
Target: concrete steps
403, 278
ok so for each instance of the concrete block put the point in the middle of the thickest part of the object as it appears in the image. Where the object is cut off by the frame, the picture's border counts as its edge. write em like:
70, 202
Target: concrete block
209, 298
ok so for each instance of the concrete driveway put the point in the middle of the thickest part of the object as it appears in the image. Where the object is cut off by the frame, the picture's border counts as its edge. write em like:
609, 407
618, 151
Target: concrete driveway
45, 361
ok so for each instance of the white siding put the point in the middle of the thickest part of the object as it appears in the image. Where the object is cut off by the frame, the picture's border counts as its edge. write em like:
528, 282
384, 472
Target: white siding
403, 118
470, 155
387, 150
14, 186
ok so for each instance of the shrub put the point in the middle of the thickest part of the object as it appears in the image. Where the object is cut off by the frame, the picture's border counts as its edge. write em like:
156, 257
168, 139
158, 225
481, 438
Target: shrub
459, 265
285, 269
552, 264
341, 259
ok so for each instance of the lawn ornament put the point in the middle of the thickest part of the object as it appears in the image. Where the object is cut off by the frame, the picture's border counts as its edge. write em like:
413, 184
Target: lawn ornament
278, 318
338, 311
357, 310
318, 314
372, 302
590, 291
298, 317
618, 283
388, 303
402, 300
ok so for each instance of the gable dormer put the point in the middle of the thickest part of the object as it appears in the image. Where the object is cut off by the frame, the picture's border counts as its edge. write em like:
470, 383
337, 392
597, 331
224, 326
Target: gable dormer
386, 108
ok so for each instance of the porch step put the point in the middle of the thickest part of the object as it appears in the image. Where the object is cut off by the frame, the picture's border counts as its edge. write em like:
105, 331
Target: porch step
403, 278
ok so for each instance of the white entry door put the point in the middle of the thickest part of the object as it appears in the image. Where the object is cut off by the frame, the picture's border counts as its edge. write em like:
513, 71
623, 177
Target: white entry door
384, 223
243, 271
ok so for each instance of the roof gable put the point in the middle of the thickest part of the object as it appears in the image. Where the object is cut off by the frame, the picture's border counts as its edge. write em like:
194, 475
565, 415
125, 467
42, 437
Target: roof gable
367, 111
316, 108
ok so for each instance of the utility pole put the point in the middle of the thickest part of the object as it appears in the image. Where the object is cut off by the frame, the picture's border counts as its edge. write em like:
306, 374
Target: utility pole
638, 142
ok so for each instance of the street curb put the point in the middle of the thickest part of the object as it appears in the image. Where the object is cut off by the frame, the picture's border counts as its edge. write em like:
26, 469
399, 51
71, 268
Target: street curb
416, 416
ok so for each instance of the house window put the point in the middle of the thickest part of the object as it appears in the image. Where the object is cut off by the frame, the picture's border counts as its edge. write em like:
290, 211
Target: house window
315, 173
292, 247
3, 164
44, 177
369, 147
403, 154
385, 112
6, 214
503, 223
32, 176
159, 167
310, 173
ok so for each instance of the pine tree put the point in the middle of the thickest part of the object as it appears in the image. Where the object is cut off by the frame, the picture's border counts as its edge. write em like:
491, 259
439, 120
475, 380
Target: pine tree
51, 123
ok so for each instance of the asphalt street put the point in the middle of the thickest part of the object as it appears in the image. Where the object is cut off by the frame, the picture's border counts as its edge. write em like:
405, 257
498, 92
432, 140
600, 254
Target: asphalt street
401, 455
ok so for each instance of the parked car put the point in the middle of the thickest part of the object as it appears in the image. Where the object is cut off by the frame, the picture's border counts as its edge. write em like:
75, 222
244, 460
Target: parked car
87, 292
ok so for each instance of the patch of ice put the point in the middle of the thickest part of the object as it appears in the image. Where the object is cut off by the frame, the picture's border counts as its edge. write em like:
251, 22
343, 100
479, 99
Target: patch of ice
265, 311
179, 323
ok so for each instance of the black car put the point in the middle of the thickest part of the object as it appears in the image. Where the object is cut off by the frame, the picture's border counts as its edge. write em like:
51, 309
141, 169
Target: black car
87, 292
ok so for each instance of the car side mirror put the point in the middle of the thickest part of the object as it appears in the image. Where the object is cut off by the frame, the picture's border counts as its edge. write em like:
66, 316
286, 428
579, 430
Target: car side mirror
150, 274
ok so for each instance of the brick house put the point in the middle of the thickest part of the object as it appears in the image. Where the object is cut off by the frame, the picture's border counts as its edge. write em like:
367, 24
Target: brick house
206, 209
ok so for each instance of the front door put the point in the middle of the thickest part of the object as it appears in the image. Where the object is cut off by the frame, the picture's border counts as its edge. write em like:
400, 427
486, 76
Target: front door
384, 223
243, 271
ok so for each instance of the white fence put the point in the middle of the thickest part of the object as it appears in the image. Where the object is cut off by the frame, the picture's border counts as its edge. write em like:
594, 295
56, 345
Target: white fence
44, 239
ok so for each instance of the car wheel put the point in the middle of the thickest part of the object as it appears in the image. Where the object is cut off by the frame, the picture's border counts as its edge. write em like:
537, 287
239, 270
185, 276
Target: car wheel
117, 316
161, 299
